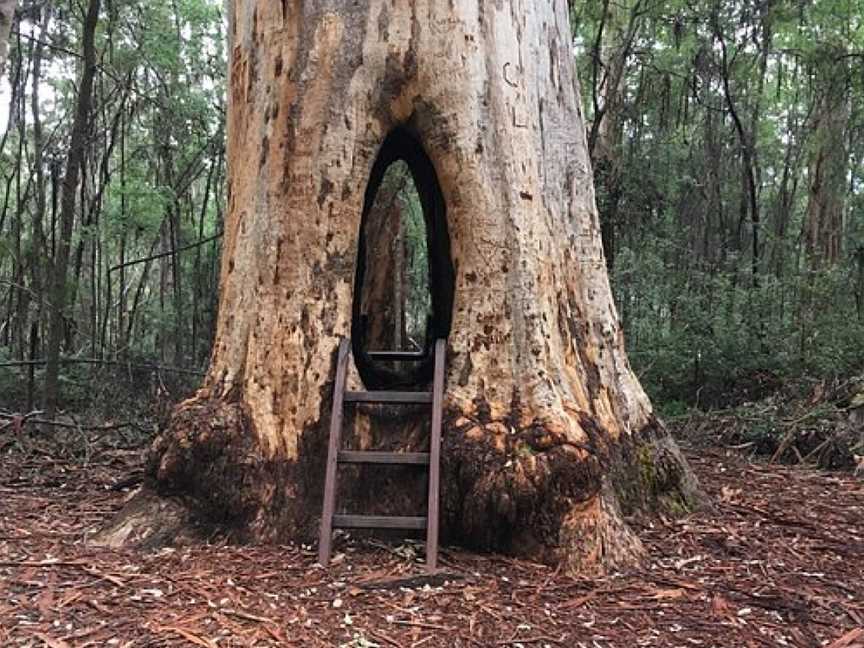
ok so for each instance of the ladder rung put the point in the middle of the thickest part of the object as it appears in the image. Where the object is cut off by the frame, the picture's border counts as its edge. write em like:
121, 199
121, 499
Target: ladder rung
387, 397
396, 356
377, 522
394, 458
432, 459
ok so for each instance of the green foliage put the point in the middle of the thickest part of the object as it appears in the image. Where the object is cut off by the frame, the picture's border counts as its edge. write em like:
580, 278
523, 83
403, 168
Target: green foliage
398, 188
419, 301
696, 340
712, 294
153, 183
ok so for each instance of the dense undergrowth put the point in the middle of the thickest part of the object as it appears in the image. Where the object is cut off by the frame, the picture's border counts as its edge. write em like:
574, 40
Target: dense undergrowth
125, 402
803, 421
700, 341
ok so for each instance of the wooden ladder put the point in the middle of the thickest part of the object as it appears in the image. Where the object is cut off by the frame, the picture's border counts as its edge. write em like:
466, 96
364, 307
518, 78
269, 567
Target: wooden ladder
337, 456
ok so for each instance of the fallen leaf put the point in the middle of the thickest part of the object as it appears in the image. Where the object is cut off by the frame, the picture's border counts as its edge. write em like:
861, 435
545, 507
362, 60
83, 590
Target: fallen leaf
667, 594
680, 564
729, 494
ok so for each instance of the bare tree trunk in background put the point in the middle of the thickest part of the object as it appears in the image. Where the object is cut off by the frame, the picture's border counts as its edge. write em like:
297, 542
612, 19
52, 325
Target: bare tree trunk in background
829, 161
619, 26
18, 297
828, 164
550, 440
197, 272
748, 140
74, 161
381, 287
37, 247
120, 343
7, 13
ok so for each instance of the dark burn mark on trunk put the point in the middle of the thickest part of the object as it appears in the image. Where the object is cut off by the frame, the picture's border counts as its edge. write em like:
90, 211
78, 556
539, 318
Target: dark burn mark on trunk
338, 266
465, 373
415, 35
277, 265
483, 411
384, 23
209, 454
265, 149
512, 500
598, 445
325, 190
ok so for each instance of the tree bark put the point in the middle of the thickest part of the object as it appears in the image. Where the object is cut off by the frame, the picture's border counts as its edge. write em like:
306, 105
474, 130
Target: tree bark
37, 247
549, 437
382, 291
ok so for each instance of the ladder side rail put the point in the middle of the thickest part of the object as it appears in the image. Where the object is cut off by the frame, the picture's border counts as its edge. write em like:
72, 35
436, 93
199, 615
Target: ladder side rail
326, 539
435, 457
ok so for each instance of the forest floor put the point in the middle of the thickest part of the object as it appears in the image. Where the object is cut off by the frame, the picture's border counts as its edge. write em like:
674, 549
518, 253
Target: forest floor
777, 561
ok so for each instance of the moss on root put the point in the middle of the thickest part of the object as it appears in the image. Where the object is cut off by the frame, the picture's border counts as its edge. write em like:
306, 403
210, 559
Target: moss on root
650, 475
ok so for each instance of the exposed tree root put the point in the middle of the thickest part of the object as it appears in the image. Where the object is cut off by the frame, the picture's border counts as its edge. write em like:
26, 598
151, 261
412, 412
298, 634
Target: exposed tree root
209, 465
521, 492
528, 494
149, 521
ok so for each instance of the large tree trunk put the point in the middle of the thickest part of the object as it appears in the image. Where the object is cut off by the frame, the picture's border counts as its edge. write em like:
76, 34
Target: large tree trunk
382, 284
549, 438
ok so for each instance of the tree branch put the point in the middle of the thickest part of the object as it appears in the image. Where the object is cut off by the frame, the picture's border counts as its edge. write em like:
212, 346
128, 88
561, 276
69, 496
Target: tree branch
152, 257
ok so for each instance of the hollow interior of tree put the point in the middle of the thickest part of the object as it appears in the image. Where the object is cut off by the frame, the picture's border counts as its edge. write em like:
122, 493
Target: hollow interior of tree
404, 277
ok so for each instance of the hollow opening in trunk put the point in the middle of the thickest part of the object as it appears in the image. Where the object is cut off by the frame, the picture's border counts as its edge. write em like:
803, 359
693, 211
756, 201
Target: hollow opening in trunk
403, 285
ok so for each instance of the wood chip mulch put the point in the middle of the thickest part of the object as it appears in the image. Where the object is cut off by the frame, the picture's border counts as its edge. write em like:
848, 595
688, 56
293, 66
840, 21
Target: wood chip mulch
779, 561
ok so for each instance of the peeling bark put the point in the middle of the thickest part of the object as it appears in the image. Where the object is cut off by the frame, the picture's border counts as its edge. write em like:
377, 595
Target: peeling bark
550, 439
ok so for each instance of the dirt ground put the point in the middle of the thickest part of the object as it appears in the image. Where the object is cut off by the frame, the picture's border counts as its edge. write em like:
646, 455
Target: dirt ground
779, 561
